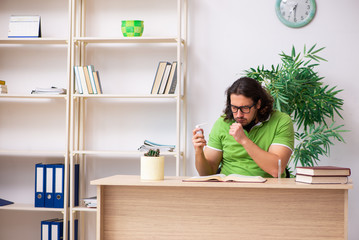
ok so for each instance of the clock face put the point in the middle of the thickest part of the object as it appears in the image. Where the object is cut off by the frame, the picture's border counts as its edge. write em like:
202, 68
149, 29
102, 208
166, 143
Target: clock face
295, 13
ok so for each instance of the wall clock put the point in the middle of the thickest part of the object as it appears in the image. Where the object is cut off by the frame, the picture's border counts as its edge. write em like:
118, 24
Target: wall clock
295, 13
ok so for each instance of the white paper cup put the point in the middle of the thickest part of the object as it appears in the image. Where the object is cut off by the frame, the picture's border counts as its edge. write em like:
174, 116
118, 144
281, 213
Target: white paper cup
152, 168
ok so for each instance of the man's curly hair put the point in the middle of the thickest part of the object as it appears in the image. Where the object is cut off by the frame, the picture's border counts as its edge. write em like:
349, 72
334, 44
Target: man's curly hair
249, 88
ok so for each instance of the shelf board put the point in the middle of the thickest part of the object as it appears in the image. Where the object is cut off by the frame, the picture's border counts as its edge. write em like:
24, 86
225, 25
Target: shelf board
123, 153
128, 40
48, 96
125, 96
29, 207
32, 153
33, 41
84, 209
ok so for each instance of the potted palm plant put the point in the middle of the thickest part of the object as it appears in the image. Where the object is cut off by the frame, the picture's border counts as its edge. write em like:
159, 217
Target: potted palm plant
298, 90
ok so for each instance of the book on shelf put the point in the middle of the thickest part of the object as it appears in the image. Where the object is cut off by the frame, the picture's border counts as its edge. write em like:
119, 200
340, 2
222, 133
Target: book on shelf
24, 26
88, 81
51, 91
158, 77
164, 79
229, 178
324, 171
172, 80
97, 82
83, 79
78, 80
90, 69
321, 179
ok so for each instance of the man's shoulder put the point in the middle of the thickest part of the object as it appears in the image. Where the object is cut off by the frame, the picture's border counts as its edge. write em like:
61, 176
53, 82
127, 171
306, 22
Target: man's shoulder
222, 120
277, 115
278, 118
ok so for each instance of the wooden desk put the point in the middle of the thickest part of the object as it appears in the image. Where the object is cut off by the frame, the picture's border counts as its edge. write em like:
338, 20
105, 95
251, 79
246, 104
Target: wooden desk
129, 208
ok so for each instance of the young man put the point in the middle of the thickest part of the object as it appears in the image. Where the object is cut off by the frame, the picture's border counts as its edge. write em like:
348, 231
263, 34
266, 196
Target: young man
249, 138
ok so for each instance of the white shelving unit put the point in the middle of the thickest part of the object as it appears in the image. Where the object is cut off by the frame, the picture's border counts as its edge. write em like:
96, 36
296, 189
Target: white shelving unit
76, 128
91, 47
34, 128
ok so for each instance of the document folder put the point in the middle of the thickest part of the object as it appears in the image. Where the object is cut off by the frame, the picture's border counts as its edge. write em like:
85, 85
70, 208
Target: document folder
49, 193
75, 231
77, 185
40, 174
4, 202
56, 229
46, 228
59, 170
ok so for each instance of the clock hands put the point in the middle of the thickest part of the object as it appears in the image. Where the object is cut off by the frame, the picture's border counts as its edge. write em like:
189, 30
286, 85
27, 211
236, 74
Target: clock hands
295, 12
294, 9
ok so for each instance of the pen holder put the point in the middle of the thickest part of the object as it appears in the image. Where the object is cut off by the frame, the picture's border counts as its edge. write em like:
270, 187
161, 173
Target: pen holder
152, 168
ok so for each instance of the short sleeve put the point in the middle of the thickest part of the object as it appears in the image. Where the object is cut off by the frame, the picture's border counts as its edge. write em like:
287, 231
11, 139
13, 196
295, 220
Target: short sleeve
216, 135
285, 132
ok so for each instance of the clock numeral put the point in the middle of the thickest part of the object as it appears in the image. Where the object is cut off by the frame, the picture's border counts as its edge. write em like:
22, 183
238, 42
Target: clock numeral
307, 13
301, 18
308, 7
295, 19
283, 14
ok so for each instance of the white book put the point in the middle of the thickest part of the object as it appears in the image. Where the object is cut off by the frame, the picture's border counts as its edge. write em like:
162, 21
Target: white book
78, 80
91, 69
24, 27
83, 79
165, 79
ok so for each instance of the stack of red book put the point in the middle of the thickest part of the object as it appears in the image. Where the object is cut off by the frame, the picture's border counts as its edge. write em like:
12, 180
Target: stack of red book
322, 174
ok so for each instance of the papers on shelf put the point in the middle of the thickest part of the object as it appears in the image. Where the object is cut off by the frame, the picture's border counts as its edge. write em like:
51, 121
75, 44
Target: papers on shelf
90, 202
147, 145
52, 90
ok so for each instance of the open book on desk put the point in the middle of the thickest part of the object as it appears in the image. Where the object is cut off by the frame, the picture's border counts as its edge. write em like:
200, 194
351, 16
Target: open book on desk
224, 178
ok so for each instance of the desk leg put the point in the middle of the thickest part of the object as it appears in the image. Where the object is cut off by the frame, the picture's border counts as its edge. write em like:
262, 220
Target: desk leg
345, 214
99, 217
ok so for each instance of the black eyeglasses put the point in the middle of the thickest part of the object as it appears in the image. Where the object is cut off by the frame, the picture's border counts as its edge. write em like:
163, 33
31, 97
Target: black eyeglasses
243, 109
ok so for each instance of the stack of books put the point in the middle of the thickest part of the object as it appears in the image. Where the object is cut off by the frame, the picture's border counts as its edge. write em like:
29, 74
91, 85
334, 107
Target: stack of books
51, 91
87, 80
165, 79
90, 202
323, 174
147, 145
3, 86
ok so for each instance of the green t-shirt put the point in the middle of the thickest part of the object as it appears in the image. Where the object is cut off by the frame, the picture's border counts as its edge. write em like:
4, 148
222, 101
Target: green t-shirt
276, 130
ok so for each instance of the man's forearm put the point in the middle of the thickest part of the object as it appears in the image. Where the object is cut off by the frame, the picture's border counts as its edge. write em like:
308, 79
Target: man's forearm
202, 165
265, 160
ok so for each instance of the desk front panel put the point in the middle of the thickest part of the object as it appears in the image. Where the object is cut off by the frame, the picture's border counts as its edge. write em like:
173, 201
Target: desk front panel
153, 212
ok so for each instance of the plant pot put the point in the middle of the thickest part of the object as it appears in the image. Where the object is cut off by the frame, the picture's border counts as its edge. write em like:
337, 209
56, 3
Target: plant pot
152, 168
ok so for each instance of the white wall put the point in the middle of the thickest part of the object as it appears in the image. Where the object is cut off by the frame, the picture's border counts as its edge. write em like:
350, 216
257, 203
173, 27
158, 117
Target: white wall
229, 36
225, 38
